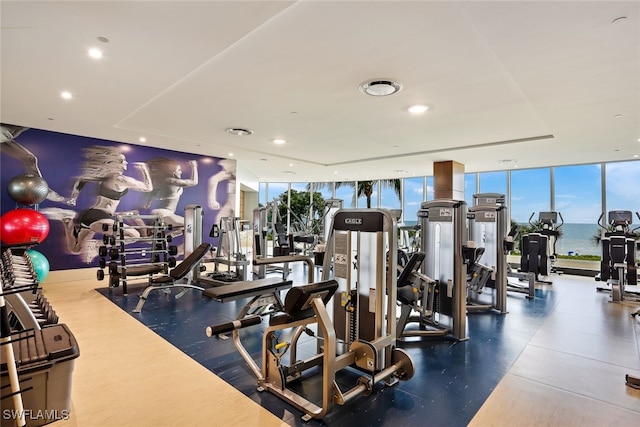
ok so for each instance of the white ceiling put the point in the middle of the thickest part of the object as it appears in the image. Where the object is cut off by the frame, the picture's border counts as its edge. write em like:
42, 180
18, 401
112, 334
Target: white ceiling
536, 82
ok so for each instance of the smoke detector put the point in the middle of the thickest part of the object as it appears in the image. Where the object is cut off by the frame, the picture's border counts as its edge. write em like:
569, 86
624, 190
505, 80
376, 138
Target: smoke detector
380, 87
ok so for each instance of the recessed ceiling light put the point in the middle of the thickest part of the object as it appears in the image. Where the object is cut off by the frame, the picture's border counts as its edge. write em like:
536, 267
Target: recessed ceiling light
142, 139
66, 95
289, 172
635, 156
380, 87
418, 109
239, 131
617, 116
95, 53
231, 154
103, 39
279, 141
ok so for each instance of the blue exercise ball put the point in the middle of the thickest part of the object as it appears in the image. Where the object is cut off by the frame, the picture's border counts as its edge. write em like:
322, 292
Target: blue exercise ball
40, 264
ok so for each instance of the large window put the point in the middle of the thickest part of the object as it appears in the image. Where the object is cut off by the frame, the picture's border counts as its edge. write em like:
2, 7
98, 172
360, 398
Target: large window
362, 199
324, 188
346, 192
262, 194
275, 189
493, 182
623, 187
430, 189
578, 198
530, 193
412, 199
389, 199
577, 194
470, 187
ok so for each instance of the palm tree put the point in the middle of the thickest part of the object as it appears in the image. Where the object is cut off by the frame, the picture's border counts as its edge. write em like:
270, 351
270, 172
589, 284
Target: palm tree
365, 188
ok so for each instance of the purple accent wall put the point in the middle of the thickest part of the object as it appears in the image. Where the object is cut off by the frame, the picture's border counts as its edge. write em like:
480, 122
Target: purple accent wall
60, 157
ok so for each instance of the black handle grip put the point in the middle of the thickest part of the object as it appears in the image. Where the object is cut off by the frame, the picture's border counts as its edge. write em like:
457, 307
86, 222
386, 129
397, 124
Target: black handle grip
230, 326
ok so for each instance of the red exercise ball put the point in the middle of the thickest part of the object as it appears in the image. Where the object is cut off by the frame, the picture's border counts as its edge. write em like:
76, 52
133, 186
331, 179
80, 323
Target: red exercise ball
23, 226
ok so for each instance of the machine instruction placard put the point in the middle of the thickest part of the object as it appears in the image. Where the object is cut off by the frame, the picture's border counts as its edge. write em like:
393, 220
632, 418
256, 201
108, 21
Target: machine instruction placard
340, 257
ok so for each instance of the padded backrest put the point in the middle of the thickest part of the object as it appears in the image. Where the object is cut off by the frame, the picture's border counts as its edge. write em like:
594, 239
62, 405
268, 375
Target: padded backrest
414, 264
189, 262
281, 234
299, 297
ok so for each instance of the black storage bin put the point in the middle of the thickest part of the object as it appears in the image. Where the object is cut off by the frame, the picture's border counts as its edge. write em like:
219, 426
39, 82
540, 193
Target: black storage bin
45, 361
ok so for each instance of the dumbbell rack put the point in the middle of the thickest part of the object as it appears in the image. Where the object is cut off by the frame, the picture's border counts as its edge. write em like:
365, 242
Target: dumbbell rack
27, 307
152, 255
18, 278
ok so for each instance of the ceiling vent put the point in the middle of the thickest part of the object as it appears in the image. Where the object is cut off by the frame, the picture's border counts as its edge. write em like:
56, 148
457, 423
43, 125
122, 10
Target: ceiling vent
239, 131
380, 87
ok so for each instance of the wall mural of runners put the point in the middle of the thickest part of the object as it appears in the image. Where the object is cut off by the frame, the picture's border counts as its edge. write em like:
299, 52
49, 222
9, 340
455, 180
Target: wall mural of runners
91, 180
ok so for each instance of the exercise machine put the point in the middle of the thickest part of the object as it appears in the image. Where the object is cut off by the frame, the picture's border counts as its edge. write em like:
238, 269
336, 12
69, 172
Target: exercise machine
487, 226
518, 281
355, 334
270, 238
618, 267
488, 222
362, 246
229, 252
539, 247
440, 304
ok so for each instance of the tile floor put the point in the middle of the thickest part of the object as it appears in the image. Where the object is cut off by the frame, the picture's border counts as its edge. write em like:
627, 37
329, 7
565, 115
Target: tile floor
558, 360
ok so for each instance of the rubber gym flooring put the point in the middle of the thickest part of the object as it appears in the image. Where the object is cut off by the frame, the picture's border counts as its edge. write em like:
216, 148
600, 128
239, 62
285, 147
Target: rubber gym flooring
451, 382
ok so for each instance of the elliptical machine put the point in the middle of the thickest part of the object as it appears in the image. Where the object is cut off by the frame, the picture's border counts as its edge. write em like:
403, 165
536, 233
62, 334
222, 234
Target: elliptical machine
539, 247
618, 267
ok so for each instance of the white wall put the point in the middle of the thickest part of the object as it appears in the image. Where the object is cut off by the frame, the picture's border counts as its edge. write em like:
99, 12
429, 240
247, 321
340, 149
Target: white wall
249, 183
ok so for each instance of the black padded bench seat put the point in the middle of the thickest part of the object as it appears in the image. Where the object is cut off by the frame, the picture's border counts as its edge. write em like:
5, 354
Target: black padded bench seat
143, 270
238, 290
297, 303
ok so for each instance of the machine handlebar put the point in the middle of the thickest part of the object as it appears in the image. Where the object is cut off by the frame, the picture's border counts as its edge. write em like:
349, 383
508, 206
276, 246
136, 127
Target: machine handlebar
232, 326
600, 221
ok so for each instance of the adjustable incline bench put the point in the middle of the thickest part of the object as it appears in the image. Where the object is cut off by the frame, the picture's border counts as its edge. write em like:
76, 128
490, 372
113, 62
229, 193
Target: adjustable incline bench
178, 273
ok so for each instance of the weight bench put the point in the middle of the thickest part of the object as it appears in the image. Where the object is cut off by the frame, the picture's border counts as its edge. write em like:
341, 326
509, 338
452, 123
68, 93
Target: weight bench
179, 272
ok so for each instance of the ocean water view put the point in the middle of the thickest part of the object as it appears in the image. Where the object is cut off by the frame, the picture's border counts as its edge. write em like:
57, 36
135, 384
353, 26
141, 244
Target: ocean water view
576, 239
